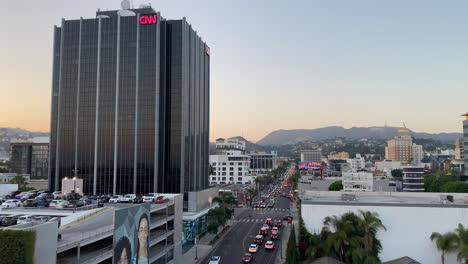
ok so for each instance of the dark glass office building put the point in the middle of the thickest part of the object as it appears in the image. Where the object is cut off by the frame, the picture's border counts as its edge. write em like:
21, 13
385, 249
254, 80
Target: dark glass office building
130, 104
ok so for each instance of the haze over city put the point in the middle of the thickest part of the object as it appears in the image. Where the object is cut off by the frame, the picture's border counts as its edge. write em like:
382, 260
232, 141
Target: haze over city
278, 65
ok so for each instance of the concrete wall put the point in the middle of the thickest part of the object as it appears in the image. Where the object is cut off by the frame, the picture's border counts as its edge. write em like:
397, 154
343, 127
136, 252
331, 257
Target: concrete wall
200, 200
408, 228
7, 188
178, 232
45, 251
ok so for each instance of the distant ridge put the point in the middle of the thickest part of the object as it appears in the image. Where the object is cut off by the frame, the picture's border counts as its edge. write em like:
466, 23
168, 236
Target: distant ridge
283, 137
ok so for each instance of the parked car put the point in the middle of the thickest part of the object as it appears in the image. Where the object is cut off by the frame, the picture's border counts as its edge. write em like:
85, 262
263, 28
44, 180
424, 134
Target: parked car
53, 203
104, 198
44, 218
57, 195
18, 196
45, 196
115, 199
138, 199
12, 195
10, 220
2, 199
42, 203
86, 200
11, 203
25, 219
150, 197
61, 204
161, 199
75, 204
128, 198
30, 203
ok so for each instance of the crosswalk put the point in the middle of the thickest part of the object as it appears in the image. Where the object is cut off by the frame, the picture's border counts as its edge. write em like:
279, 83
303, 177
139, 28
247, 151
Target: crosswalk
251, 220
270, 209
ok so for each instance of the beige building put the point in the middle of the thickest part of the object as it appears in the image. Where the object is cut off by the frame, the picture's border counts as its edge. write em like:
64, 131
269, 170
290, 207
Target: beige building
402, 149
459, 149
311, 155
339, 155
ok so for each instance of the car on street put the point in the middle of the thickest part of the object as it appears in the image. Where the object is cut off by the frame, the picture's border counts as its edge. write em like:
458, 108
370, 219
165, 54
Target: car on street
275, 230
283, 194
253, 248
268, 221
161, 199
266, 226
128, 198
215, 260
263, 231
257, 205
274, 236
258, 240
278, 223
247, 258
263, 205
11, 203
25, 219
115, 199
269, 245
149, 198
10, 220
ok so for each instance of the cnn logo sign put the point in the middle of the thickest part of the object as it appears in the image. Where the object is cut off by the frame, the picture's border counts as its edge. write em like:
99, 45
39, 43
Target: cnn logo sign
148, 19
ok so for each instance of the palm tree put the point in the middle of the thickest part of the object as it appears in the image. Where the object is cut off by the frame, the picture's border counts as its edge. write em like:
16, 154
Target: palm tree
446, 243
370, 223
362, 256
462, 243
258, 181
252, 193
224, 199
342, 235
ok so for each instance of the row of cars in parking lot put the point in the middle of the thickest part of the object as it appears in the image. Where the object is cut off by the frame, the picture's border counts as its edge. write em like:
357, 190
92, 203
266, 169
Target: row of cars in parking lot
54, 199
9, 220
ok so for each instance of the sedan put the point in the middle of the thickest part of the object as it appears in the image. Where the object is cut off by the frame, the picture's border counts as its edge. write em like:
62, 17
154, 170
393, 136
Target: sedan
161, 199
258, 240
268, 221
269, 245
30, 203
263, 205
215, 260
253, 248
274, 236
10, 220
247, 258
263, 232
274, 230
11, 204
278, 223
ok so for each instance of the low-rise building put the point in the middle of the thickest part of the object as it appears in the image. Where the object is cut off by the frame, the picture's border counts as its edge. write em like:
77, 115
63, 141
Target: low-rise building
459, 149
358, 163
311, 155
30, 157
262, 163
413, 179
357, 181
339, 155
230, 144
409, 218
232, 167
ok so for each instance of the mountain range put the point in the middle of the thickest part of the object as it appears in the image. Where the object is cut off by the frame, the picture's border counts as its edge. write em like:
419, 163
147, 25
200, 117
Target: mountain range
283, 137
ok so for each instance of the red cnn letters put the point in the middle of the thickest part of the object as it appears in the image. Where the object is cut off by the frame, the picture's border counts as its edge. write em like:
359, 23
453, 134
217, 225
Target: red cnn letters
148, 19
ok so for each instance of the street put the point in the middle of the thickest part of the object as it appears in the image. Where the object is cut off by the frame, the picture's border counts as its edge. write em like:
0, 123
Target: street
236, 243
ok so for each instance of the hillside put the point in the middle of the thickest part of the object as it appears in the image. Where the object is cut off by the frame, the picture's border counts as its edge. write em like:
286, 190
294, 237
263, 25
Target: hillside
282, 137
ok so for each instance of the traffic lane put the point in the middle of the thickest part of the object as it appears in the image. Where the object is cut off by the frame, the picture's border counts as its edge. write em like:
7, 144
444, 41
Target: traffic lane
232, 247
263, 255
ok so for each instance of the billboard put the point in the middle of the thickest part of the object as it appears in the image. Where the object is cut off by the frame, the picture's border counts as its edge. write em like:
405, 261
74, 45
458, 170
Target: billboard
131, 235
310, 165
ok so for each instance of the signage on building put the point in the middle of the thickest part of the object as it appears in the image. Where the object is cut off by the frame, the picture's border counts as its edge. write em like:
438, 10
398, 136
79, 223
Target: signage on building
207, 50
148, 19
311, 165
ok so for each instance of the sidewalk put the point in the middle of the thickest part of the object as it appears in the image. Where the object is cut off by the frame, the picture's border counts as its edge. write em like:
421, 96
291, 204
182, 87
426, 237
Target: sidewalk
285, 235
203, 249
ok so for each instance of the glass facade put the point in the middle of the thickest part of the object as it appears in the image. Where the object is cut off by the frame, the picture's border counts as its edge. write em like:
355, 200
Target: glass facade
130, 105
30, 159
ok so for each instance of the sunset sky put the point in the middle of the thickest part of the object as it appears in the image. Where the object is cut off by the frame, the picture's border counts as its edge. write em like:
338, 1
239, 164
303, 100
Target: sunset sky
278, 64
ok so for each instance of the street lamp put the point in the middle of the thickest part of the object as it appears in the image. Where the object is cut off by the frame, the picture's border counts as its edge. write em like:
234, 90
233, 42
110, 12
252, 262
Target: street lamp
74, 184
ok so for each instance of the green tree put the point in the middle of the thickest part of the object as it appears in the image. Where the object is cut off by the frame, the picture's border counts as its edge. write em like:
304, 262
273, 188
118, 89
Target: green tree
397, 173
291, 250
20, 180
225, 199
454, 187
434, 181
252, 192
218, 215
462, 233
362, 256
446, 243
211, 170
336, 186
342, 235
259, 181
370, 223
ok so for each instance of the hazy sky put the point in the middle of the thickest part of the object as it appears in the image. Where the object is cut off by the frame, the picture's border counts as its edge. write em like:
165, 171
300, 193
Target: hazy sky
278, 64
